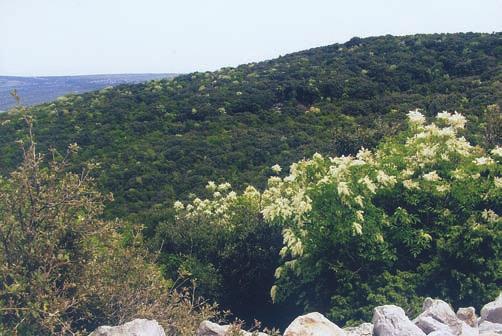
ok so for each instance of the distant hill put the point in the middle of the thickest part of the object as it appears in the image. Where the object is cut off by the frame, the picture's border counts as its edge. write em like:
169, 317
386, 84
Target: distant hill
37, 90
164, 139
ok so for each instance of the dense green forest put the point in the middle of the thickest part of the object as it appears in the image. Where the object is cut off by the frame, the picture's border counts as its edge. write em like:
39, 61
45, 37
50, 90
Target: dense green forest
162, 141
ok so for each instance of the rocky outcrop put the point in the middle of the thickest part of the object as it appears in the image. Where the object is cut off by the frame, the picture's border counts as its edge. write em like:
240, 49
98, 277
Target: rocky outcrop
365, 329
207, 328
490, 322
313, 324
429, 325
492, 312
138, 327
436, 319
438, 316
391, 320
440, 333
487, 328
468, 315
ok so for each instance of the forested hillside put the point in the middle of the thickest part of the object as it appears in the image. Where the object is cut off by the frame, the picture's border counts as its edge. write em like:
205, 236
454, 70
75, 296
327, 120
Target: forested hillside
164, 140
161, 140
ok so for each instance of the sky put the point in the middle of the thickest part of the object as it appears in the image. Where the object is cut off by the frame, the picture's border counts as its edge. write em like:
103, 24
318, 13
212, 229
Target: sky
69, 37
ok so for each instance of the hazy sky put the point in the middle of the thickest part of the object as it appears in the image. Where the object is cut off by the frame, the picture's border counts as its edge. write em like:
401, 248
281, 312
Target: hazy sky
60, 37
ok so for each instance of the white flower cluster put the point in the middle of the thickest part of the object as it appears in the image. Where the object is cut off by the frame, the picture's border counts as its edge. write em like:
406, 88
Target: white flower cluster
483, 160
416, 117
220, 208
455, 119
498, 182
497, 151
432, 144
431, 176
490, 216
410, 184
276, 168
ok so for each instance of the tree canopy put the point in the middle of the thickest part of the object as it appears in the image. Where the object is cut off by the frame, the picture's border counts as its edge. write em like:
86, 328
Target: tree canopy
162, 140
418, 216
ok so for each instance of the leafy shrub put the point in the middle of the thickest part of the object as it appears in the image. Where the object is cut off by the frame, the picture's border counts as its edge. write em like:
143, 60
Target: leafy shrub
232, 259
418, 216
63, 270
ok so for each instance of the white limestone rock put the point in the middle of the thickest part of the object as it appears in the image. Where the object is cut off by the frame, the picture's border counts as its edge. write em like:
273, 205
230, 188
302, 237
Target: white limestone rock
440, 333
468, 315
487, 328
439, 316
492, 312
428, 325
313, 324
365, 329
208, 328
391, 320
138, 327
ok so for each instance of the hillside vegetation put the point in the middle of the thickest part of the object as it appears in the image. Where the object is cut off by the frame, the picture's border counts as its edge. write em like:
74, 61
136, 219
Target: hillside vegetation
164, 140
416, 217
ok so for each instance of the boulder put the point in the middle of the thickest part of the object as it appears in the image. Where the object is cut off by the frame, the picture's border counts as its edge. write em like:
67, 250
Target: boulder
208, 328
487, 328
138, 327
439, 316
428, 325
468, 315
391, 320
440, 333
438, 311
313, 324
365, 329
467, 330
492, 312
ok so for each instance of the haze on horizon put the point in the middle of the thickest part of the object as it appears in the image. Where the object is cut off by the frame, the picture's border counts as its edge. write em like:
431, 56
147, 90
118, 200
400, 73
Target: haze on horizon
69, 37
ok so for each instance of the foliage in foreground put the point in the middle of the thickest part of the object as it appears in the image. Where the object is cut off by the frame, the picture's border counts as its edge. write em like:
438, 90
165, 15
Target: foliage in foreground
232, 260
62, 270
419, 216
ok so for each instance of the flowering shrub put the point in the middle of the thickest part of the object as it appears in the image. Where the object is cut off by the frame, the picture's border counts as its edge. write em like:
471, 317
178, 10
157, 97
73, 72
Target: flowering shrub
63, 270
224, 245
420, 215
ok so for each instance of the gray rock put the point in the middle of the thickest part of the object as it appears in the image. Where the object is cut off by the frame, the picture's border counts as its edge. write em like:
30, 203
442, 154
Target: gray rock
467, 330
487, 328
313, 324
492, 312
468, 315
391, 320
208, 328
440, 333
439, 311
138, 327
428, 325
365, 329
439, 316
